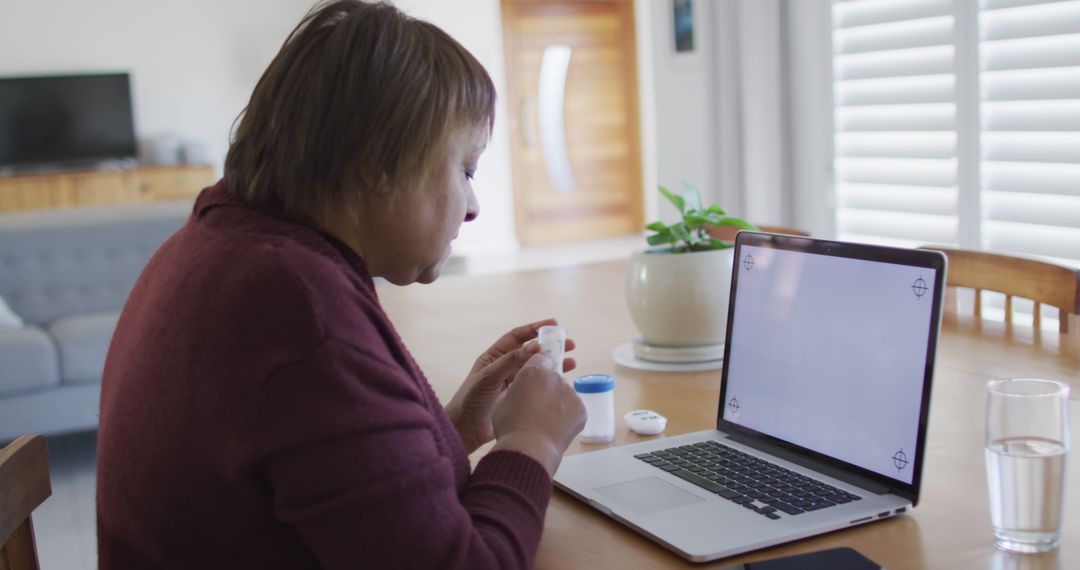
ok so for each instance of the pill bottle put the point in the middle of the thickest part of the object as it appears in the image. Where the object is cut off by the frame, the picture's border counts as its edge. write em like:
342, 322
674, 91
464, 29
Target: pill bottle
552, 340
597, 391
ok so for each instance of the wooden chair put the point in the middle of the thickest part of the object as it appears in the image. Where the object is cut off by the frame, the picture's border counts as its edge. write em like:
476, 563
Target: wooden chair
1042, 282
727, 233
24, 484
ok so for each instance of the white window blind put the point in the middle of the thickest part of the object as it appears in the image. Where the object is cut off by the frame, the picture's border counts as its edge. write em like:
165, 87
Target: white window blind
1030, 89
895, 121
958, 122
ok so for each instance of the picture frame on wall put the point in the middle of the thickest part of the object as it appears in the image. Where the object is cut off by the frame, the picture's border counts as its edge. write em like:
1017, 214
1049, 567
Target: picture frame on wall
683, 26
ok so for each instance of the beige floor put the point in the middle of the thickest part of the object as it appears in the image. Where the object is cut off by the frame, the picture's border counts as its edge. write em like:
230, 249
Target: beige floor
65, 524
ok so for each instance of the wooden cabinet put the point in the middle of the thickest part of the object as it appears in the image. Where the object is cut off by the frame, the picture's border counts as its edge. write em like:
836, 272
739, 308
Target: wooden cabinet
102, 188
174, 183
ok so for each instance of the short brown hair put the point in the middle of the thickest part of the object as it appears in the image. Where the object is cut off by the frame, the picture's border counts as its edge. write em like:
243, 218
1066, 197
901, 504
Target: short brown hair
360, 96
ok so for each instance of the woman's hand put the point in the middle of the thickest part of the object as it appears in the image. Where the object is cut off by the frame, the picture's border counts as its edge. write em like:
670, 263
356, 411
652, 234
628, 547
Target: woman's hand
539, 414
495, 369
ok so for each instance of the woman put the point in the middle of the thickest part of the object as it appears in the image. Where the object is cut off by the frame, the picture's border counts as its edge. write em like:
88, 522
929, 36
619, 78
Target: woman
258, 409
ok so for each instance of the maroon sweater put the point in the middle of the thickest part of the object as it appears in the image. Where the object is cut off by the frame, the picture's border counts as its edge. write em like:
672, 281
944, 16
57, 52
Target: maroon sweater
258, 410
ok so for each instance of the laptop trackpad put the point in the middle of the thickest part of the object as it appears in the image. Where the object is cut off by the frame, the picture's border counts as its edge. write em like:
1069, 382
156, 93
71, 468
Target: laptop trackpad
648, 495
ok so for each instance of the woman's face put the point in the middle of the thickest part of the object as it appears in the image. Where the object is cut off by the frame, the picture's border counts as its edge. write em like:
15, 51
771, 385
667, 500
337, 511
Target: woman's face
404, 235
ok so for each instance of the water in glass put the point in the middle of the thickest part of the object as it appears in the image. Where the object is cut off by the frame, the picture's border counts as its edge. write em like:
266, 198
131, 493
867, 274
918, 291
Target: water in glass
1026, 478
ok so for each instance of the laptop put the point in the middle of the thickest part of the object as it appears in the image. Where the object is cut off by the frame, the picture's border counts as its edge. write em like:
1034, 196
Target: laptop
822, 411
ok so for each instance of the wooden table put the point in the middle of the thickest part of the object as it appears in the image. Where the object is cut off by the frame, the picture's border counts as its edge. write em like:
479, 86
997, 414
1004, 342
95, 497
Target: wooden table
447, 324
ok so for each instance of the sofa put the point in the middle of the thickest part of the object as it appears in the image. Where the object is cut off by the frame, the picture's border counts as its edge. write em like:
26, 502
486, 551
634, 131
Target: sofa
64, 277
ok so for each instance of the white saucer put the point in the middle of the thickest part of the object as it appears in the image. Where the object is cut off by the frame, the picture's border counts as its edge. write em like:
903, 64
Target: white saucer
624, 356
677, 354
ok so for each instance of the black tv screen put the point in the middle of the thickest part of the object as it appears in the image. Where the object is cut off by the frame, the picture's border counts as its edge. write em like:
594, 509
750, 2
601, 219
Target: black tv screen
62, 120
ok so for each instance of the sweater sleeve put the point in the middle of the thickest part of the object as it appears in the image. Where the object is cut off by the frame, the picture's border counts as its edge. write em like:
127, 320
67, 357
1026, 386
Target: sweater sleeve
348, 450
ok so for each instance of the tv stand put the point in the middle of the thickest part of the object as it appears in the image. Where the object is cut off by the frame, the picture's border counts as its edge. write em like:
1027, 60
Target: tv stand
69, 167
73, 189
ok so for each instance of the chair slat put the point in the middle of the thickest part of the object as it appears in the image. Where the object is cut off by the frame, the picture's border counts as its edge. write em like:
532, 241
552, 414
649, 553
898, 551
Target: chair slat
20, 552
24, 485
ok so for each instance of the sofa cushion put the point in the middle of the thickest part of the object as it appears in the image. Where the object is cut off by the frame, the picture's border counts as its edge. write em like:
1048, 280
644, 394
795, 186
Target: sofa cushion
28, 360
83, 342
73, 261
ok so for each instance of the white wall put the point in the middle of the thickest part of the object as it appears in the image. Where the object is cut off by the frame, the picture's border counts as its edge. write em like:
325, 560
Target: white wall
721, 111
763, 108
684, 105
809, 53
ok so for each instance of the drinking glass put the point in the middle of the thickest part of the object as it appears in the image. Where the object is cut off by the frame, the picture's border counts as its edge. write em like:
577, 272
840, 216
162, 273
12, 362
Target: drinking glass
1027, 446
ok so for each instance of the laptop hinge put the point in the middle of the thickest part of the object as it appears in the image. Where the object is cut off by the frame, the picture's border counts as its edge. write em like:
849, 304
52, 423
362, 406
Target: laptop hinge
828, 470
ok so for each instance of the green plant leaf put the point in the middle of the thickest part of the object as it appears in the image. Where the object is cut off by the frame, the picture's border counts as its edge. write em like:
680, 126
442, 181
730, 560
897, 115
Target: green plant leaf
691, 197
660, 239
691, 233
677, 200
714, 219
741, 224
680, 232
695, 219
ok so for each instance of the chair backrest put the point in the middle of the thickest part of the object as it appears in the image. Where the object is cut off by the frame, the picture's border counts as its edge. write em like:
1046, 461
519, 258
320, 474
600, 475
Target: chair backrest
1042, 282
727, 233
24, 484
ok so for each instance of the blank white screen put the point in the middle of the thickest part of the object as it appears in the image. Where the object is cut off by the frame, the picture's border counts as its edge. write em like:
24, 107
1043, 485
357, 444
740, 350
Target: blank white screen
829, 353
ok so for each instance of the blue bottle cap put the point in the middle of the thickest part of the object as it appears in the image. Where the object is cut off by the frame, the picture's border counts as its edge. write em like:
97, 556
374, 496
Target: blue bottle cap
594, 384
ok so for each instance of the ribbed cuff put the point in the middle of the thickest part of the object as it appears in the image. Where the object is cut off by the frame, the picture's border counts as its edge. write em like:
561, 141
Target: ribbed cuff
518, 470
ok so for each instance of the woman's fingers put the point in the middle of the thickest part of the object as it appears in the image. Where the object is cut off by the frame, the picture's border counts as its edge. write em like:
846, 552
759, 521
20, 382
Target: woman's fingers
509, 341
506, 366
519, 335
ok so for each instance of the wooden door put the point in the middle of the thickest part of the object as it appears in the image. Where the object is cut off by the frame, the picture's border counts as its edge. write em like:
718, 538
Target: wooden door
575, 150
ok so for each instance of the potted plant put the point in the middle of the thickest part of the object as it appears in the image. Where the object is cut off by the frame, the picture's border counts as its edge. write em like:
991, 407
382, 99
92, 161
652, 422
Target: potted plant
677, 291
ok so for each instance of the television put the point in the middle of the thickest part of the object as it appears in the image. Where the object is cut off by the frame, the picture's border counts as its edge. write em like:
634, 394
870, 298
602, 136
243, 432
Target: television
65, 121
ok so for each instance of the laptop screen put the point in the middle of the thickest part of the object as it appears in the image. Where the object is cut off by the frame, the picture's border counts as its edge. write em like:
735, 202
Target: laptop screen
830, 351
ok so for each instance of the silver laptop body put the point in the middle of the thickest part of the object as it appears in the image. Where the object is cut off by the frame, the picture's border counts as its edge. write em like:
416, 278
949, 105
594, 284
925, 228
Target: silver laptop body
827, 376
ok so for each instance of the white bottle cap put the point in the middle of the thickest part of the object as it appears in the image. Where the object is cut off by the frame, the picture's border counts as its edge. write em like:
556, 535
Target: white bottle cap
552, 341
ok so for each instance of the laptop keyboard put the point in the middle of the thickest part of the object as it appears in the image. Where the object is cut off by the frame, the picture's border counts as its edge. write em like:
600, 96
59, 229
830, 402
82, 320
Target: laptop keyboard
741, 478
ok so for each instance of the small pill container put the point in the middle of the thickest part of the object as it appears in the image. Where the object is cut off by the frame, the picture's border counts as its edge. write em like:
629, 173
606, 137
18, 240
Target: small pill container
597, 391
552, 340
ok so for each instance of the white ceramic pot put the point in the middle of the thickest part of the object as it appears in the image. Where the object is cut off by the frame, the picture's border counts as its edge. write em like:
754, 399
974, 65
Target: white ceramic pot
680, 299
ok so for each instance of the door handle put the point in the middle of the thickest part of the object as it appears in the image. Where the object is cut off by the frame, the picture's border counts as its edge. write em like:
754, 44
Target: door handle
551, 98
